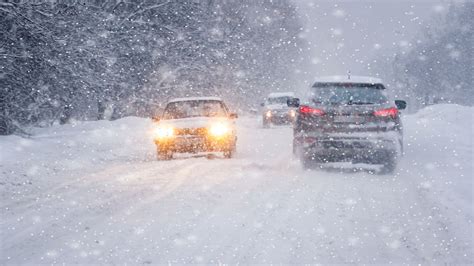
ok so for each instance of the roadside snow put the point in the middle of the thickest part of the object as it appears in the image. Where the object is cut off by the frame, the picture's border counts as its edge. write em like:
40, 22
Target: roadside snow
349, 79
92, 192
281, 94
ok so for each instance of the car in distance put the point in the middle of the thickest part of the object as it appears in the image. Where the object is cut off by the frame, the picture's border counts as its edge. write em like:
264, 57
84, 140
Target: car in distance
276, 110
191, 125
348, 119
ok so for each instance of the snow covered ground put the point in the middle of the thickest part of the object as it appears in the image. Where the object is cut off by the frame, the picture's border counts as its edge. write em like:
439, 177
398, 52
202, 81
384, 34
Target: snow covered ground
93, 192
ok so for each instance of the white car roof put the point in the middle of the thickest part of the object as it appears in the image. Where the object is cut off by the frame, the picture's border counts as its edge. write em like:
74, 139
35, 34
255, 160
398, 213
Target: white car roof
195, 99
280, 94
352, 79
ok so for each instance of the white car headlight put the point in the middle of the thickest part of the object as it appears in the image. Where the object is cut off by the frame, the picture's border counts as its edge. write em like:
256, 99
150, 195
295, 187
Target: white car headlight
268, 113
164, 132
219, 129
292, 113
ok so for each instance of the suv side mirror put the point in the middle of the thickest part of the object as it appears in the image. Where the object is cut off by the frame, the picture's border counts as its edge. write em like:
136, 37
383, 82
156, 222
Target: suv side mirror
293, 102
233, 115
401, 105
262, 104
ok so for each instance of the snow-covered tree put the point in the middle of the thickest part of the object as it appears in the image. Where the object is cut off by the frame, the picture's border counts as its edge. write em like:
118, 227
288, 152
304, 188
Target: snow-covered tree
65, 60
439, 67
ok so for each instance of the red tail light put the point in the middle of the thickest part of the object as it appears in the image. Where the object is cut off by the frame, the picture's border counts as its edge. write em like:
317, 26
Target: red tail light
304, 109
389, 112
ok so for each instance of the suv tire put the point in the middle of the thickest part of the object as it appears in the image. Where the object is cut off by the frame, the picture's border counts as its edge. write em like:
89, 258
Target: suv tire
309, 162
389, 163
266, 123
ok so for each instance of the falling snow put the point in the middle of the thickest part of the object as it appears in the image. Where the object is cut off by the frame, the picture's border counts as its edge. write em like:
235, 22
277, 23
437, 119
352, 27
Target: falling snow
79, 178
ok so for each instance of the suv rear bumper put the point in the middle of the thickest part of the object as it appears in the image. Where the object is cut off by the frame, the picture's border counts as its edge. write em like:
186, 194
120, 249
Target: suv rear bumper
332, 149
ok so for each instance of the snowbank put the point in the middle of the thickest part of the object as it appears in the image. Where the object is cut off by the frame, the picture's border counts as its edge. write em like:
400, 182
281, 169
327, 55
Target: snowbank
443, 137
440, 157
80, 140
72, 148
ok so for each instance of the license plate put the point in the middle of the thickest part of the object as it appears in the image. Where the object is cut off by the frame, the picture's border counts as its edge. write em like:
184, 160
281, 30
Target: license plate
348, 119
189, 140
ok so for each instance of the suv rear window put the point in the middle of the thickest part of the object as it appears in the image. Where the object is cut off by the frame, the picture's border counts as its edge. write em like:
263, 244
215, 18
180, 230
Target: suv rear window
344, 93
198, 108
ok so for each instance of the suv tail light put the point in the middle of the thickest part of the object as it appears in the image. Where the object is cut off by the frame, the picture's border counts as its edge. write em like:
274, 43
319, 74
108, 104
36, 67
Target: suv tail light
389, 112
304, 109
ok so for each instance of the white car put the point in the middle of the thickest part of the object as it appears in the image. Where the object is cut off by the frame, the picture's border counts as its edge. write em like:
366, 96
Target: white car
276, 110
198, 124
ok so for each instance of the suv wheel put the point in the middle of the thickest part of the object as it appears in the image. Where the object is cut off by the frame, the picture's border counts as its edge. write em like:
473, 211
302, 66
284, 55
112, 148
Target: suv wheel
296, 148
389, 163
266, 123
310, 162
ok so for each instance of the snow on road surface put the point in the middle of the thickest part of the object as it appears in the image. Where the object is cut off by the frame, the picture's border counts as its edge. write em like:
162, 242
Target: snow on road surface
92, 192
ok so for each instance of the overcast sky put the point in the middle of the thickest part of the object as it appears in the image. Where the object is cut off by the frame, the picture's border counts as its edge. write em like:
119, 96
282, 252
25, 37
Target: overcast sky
347, 35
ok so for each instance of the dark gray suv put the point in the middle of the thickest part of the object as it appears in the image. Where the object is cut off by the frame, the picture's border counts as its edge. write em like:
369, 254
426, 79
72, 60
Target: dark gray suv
348, 119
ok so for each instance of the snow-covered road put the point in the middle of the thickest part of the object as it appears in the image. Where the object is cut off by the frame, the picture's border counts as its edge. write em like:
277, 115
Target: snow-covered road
93, 193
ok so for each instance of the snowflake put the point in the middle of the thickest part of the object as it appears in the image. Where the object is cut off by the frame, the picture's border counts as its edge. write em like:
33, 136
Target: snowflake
336, 31
438, 8
455, 54
339, 13
216, 32
315, 61
422, 57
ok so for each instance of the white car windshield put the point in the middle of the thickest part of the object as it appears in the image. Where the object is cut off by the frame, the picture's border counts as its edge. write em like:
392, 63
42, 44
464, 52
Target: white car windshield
277, 100
197, 108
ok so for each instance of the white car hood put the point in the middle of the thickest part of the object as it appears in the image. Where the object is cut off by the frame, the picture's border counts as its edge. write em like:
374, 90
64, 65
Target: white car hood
193, 122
